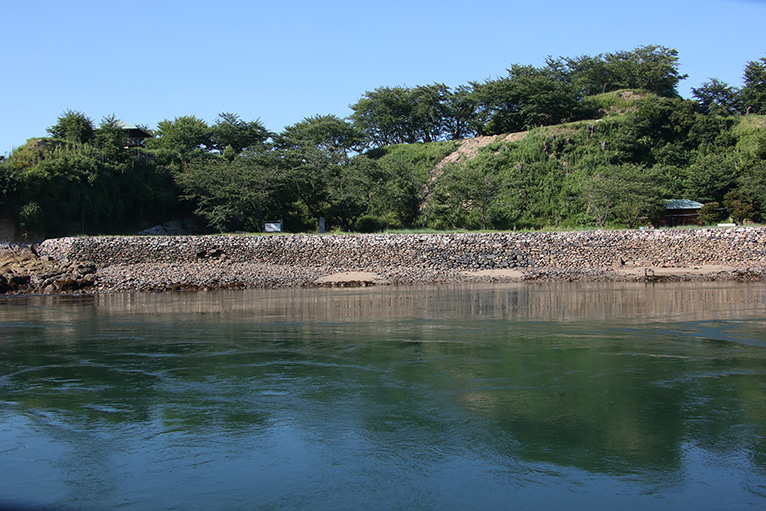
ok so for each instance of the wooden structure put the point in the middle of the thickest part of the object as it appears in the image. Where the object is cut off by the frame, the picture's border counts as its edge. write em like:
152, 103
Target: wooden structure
682, 212
135, 136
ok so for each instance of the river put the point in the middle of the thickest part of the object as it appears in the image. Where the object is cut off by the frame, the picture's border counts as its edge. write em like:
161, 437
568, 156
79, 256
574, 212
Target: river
546, 396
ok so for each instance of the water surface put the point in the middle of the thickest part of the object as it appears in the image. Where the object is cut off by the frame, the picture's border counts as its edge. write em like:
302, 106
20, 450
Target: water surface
492, 397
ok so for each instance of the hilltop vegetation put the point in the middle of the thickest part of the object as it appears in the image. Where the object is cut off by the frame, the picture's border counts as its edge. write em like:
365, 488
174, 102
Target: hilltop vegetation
598, 141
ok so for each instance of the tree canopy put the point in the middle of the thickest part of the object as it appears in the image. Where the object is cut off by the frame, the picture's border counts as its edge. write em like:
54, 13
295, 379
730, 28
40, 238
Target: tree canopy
599, 141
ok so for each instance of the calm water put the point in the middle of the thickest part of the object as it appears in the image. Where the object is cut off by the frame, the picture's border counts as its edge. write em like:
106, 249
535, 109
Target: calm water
524, 397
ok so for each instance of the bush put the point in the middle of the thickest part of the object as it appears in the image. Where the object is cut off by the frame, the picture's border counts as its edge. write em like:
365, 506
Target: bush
31, 220
711, 213
739, 205
369, 223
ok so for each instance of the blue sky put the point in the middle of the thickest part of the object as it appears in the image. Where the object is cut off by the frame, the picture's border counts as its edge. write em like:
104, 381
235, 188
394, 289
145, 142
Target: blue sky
282, 61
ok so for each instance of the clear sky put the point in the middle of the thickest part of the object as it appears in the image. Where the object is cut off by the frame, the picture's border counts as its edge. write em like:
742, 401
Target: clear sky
282, 61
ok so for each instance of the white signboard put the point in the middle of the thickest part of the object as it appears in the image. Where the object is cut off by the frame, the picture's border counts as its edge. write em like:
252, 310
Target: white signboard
273, 227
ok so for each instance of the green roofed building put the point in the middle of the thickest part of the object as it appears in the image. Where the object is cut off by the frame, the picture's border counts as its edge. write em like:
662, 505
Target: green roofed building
682, 212
135, 135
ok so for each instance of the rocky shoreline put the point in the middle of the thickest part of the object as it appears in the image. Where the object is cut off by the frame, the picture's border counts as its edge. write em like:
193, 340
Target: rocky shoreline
174, 263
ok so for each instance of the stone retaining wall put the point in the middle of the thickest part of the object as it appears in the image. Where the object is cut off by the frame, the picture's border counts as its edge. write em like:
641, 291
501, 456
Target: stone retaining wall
742, 246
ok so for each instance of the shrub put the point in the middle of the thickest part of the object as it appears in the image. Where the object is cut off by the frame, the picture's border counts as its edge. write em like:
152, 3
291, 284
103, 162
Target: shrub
369, 223
711, 213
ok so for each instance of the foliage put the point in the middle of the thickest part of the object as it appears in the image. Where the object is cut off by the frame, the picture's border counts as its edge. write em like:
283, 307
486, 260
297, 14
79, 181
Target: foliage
606, 140
711, 213
182, 138
402, 115
528, 97
8, 181
85, 188
718, 98
426, 113
230, 130
31, 220
711, 177
739, 204
73, 126
754, 89
328, 133
370, 223
230, 195
628, 192
651, 68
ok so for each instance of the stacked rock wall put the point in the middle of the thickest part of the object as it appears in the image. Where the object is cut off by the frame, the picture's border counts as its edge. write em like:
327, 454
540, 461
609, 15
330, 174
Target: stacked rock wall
743, 246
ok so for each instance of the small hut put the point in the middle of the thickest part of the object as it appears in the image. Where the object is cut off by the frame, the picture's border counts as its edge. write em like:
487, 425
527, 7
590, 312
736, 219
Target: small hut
135, 136
682, 212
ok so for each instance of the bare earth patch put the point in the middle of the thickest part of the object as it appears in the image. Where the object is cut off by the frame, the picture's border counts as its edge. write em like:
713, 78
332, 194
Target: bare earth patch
469, 147
506, 273
656, 271
351, 277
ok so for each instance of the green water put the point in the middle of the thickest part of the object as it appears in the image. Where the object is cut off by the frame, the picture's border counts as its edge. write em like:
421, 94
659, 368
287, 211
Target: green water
495, 397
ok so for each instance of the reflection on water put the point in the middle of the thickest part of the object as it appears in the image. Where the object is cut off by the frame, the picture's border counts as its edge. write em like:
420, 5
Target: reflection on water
445, 397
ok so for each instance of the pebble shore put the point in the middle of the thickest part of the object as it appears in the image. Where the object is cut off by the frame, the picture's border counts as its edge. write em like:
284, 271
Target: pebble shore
174, 263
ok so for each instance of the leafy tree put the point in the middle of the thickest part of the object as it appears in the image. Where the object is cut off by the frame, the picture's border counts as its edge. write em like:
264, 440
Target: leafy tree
403, 115
754, 89
739, 204
711, 213
528, 97
718, 98
8, 181
73, 126
652, 68
428, 111
409, 176
753, 183
382, 115
230, 195
476, 194
711, 177
591, 75
356, 187
231, 131
626, 191
181, 137
328, 133
460, 113
600, 197
110, 138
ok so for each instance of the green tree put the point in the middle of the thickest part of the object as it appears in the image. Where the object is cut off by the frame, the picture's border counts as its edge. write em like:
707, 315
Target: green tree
403, 115
754, 89
229, 195
327, 133
110, 139
478, 193
182, 137
73, 126
718, 98
8, 182
739, 204
652, 68
711, 177
528, 97
591, 75
753, 183
460, 113
428, 112
382, 114
628, 192
231, 131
